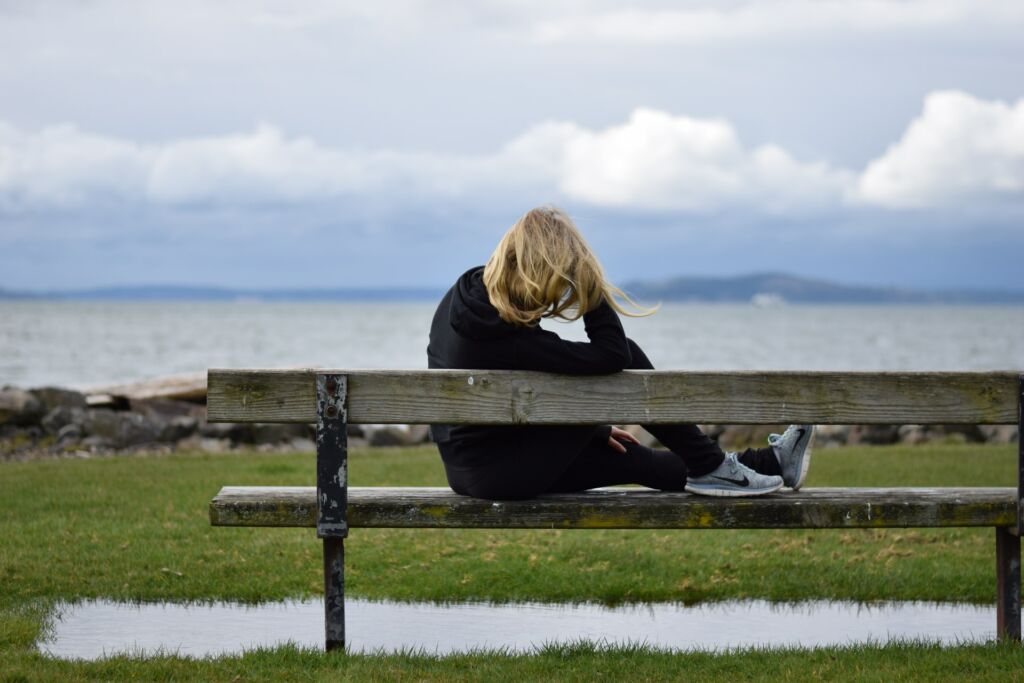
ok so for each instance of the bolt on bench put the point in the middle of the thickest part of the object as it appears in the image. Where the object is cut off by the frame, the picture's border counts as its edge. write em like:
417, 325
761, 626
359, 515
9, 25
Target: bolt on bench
332, 399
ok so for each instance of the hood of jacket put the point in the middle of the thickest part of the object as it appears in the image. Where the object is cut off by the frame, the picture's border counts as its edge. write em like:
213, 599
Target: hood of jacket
471, 313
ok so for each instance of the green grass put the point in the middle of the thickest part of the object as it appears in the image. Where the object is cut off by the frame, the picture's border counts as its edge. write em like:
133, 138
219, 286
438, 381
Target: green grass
136, 529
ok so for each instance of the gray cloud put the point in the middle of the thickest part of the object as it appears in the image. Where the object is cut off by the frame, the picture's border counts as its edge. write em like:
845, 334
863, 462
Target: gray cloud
959, 149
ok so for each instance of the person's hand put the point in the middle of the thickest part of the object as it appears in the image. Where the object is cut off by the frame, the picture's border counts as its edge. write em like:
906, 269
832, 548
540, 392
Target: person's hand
619, 435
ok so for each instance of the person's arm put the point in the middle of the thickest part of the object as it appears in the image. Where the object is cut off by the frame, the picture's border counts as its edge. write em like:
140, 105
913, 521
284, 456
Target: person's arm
606, 352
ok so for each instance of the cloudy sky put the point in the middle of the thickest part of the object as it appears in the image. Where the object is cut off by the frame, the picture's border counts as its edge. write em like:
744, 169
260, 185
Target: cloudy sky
329, 144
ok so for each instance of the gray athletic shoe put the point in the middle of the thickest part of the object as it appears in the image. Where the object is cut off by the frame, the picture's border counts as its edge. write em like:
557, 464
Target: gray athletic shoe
733, 478
793, 449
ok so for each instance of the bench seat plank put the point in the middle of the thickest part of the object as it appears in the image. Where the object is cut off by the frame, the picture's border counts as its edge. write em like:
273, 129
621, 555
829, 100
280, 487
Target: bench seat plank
622, 508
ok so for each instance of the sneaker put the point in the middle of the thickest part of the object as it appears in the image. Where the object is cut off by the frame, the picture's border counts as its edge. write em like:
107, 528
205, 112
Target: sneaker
733, 478
793, 449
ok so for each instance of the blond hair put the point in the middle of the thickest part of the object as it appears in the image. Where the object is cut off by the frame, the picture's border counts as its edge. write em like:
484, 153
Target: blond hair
543, 268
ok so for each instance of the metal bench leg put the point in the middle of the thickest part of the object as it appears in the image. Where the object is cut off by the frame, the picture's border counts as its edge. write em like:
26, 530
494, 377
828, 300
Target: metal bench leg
1008, 546
1007, 584
334, 593
332, 500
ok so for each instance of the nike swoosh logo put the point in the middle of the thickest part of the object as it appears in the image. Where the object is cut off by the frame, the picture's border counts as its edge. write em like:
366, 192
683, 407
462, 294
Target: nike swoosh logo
739, 482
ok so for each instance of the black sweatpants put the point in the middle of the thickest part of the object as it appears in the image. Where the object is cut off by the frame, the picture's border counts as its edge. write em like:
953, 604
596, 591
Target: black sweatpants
520, 463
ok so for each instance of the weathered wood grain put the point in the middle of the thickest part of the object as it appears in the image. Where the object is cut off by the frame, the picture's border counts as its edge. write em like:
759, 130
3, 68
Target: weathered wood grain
632, 396
626, 509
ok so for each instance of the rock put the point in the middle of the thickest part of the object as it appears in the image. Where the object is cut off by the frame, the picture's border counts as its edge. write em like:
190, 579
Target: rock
178, 428
999, 433
217, 430
355, 430
874, 434
56, 397
215, 445
269, 433
968, 433
61, 416
912, 434
122, 429
20, 407
831, 436
165, 409
417, 434
387, 435
302, 445
98, 444
68, 434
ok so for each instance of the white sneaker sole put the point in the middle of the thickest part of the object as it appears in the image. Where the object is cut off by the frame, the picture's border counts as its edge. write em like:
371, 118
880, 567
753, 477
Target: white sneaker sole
731, 493
805, 465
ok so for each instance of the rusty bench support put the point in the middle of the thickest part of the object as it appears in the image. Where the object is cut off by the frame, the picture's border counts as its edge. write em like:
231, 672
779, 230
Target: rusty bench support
1008, 588
332, 499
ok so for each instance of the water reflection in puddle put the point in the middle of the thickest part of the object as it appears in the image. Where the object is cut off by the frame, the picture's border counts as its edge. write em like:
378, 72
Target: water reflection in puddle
90, 630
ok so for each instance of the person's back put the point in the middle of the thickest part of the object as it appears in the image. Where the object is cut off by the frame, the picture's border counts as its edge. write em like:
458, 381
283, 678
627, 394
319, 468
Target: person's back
489, 320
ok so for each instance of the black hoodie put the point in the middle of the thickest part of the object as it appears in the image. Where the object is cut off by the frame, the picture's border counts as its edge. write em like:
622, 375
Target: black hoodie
467, 333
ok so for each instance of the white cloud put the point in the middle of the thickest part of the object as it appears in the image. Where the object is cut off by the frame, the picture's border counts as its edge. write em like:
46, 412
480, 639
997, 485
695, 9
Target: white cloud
712, 22
659, 161
960, 149
63, 165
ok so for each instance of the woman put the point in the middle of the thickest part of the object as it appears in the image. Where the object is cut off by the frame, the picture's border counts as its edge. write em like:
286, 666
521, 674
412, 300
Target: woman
543, 268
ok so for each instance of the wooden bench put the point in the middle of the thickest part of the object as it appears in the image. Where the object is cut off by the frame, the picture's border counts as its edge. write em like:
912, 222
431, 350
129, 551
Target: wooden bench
332, 399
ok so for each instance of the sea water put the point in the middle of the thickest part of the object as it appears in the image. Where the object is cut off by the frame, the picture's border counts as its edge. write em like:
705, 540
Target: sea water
82, 344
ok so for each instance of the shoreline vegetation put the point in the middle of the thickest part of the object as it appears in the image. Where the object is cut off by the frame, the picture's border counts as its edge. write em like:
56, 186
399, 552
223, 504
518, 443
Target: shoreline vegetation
169, 414
136, 529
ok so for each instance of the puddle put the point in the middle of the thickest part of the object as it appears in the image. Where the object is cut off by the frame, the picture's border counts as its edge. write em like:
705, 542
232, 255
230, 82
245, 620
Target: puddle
91, 630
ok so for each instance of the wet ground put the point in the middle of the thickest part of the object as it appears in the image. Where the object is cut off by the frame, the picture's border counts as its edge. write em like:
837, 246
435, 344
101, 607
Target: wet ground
91, 630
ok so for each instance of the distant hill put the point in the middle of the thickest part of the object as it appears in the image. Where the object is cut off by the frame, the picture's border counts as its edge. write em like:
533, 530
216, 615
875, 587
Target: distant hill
763, 288
777, 288
186, 293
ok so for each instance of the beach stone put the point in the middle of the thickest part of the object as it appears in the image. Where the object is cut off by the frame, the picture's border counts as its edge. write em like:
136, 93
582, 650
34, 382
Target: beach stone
20, 407
122, 429
831, 436
61, 416
215, 445
969, 433
387, 436
56, 397
165, 409
913, 434
217, 430
876, 435
178, 428
269, 433
68, 434
418, 434
302, 445
98, 443
999, 433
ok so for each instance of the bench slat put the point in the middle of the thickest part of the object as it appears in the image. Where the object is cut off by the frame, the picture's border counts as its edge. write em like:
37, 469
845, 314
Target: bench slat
626, 509
633, 397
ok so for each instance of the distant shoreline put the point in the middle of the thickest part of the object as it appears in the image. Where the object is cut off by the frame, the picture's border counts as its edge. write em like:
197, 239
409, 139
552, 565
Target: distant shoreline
764, 290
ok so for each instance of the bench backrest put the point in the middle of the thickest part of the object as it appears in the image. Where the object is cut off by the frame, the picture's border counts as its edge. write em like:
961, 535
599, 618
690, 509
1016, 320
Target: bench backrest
632, 396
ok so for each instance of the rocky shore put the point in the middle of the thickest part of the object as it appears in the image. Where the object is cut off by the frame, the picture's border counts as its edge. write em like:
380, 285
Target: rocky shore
53, 422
